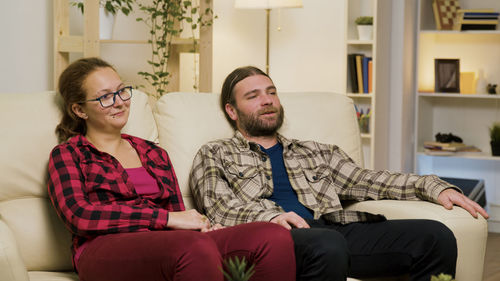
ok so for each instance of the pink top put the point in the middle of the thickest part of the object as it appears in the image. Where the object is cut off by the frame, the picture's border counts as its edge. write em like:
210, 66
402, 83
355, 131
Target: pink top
143, 183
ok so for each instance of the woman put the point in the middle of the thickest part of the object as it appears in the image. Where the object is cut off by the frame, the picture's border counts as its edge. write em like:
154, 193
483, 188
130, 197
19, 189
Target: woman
119, 196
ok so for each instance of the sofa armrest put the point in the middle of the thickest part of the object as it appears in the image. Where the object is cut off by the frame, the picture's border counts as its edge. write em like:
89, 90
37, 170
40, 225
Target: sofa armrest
471, 233
11, 264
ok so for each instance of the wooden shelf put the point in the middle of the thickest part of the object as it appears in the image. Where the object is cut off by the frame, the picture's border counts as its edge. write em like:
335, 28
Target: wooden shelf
465, 155
359, 42
360, 96
466, 32
458, 96
175, 41
89, 44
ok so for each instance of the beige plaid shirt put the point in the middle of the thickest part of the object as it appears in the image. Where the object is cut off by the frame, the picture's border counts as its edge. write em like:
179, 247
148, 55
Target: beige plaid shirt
231, 180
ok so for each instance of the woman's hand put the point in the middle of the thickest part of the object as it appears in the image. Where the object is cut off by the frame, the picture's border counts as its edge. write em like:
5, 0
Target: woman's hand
190, 220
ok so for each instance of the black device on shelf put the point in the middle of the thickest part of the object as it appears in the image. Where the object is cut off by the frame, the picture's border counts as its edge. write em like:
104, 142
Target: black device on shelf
472, 188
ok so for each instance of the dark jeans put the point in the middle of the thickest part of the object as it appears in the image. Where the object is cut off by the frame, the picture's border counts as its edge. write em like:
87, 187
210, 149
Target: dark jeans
189, 255
420, 248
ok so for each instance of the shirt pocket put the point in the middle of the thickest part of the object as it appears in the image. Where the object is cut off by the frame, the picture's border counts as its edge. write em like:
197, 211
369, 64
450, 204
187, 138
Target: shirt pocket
244, 180
319, 178
101, 178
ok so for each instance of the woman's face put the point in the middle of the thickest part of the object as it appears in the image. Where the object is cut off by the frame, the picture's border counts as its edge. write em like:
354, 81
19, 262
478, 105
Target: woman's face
104, 119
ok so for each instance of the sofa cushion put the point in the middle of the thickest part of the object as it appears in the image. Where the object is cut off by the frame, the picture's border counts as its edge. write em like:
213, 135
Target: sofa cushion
43, 241
141, 122
186, 121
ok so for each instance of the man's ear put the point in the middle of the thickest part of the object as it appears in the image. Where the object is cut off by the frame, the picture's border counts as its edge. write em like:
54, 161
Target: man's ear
231, 111
78, 111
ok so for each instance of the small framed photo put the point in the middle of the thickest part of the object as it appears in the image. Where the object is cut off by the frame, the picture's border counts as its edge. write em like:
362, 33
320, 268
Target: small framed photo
447, 75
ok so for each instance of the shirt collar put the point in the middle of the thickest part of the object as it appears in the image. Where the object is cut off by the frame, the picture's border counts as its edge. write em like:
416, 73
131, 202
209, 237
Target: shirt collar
82, 141
243, 144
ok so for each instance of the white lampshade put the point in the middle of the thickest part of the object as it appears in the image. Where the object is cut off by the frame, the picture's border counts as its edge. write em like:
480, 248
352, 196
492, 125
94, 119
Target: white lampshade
267, 4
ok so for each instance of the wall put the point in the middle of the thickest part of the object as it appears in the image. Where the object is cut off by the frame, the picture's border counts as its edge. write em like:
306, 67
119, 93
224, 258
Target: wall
306, 55
402, 75
26, 52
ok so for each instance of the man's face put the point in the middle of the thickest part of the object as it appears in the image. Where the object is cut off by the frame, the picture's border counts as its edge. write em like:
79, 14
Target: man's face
258, 111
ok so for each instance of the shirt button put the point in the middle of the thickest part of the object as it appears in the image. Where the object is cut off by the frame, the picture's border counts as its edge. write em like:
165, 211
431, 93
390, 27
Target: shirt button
264, 159
315, 178
268, 177
240, 174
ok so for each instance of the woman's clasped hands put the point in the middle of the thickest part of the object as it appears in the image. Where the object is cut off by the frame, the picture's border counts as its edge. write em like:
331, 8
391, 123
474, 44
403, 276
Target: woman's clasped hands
190, 220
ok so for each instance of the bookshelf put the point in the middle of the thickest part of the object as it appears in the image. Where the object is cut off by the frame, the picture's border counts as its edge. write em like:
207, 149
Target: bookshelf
375, 141
464, 114
89, 44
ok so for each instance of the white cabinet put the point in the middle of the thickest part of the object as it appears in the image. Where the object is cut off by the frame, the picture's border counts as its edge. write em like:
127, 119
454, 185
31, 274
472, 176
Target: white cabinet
466, 115
375, 139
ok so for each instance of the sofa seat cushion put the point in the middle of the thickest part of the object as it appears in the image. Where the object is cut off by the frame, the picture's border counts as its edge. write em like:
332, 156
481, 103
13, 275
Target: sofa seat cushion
52, 276
43, 241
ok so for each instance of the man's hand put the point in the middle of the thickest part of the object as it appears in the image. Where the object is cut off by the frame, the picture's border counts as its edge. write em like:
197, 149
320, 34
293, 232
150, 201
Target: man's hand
287, 220
450, 197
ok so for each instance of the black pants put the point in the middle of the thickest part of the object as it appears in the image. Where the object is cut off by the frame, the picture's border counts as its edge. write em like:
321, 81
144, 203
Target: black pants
420, 248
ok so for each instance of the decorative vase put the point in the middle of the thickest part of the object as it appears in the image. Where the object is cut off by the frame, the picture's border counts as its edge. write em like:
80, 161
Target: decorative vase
365, 32
480, 83
106, 24
495, 148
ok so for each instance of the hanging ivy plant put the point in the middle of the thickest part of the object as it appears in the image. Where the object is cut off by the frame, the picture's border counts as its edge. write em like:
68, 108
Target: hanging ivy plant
165, 19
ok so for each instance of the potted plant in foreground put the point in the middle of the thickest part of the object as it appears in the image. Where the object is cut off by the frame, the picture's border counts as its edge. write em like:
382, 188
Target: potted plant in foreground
365, 27
495, 139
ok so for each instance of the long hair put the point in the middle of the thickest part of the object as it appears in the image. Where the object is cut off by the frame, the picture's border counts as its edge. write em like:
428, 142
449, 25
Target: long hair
227, 95
72, 91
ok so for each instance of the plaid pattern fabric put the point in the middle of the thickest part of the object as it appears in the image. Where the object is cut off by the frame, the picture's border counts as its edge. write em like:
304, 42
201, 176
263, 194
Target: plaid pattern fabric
92, 194
231, 180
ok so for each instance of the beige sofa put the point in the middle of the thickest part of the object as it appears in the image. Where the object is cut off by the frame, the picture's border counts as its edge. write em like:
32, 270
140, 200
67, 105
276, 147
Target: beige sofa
34, 244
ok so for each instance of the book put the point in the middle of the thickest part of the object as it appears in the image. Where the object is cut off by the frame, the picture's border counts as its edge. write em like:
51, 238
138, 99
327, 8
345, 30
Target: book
370, 76
359, 72
436, 15
486, 22
353, 77
478, 27
485, 19
476, 11
450, 147
365, 74
443, 144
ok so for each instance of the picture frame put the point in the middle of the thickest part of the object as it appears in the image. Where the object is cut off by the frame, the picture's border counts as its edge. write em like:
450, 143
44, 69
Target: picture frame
447, 75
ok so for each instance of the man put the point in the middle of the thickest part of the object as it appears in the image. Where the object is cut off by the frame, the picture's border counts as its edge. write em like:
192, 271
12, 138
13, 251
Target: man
259, 175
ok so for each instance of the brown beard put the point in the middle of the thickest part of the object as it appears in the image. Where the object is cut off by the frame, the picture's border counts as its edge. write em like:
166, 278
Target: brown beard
256, 127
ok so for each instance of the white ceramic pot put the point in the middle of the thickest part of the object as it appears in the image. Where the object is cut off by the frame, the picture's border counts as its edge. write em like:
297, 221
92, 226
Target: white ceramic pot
106, 24
365, 32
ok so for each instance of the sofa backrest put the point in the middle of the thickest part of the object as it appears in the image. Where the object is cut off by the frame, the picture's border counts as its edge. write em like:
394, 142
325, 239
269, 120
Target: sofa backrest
27, 123
186, 121
182, 123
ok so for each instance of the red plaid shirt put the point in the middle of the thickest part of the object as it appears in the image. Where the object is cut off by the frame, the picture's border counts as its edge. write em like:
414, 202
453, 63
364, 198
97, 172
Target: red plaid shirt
93, 195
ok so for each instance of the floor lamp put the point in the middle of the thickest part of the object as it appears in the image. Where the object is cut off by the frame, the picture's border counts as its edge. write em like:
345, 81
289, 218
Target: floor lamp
267, 5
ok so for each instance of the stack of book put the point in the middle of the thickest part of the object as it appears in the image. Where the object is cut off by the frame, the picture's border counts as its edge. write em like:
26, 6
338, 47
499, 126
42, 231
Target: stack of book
486, 19
447, 148
360, 73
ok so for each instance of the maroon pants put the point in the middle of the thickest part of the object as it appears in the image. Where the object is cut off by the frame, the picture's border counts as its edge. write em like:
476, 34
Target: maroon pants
189, 255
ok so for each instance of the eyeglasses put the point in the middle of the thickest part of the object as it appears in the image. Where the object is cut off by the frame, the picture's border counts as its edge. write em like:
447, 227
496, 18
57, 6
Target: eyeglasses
109, 99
